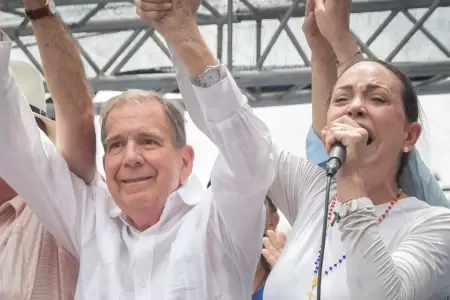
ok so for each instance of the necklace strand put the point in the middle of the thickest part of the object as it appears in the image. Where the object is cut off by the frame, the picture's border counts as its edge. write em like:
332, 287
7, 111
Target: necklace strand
343, 257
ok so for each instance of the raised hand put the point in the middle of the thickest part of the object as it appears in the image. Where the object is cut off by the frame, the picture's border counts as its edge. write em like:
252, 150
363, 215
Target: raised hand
273, 246
172, 18
154, 10
34, 4
333, 19
318, 44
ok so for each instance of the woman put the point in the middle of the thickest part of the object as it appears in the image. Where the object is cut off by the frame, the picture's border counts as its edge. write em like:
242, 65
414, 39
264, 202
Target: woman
387, 245
416, 178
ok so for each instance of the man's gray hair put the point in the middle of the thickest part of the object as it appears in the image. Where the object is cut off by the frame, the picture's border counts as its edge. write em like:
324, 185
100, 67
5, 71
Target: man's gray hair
172, 109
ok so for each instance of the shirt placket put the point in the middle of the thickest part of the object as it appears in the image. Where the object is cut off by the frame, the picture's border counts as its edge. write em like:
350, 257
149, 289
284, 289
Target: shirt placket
143, 266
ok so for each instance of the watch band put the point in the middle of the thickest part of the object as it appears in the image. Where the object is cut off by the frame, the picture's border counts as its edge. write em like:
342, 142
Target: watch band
36, 14
210, 76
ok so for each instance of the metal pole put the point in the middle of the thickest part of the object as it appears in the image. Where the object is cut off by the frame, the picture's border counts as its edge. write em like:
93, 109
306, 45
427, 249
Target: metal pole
230, 35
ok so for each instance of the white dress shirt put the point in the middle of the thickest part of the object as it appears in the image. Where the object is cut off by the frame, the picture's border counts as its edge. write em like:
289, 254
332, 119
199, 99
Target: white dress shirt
406, 257
207, 242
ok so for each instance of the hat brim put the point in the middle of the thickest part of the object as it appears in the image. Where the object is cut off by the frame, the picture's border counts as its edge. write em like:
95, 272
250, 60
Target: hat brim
50, 125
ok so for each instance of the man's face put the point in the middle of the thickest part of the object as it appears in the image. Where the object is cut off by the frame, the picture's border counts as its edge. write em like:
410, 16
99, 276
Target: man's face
142, 166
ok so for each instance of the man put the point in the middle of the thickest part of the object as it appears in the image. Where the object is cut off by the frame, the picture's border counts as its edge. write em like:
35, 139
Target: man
166, 237
33, 264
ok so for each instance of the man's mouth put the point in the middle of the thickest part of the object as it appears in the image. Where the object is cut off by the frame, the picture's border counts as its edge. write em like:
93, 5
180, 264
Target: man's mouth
138, 179
369, 141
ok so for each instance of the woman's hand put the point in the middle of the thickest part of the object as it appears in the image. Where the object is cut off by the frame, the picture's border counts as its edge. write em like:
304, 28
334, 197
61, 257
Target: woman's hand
320, 47
350, 183
273, 246
333, 21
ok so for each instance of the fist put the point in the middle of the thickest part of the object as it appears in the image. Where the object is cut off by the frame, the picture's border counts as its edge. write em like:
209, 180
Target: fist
169, 17
152, 10
333, 19
352, 136
33, 4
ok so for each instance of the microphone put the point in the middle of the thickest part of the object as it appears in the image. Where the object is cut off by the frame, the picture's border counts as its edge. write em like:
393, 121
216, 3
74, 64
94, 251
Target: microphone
336, 158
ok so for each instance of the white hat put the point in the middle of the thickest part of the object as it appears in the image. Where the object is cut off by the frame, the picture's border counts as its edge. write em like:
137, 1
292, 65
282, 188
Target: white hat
31, 84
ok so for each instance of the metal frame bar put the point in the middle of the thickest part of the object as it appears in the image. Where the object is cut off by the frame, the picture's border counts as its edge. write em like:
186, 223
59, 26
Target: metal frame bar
248, 79
264, 13
260, 81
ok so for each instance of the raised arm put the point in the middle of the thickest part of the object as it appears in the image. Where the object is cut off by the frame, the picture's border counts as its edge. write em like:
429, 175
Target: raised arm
334, 20
68, 86
243, 172
31, 165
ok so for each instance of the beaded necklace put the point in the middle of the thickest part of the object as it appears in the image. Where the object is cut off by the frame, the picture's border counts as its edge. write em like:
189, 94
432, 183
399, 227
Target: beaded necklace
343, 257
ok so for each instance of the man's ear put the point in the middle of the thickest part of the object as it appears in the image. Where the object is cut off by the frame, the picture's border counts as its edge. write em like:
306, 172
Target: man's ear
187, 163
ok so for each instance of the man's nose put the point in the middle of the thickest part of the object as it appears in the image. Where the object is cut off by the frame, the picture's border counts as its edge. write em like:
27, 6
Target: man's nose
133, 157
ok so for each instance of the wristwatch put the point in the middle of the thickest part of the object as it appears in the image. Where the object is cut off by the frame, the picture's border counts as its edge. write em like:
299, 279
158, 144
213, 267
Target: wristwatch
210, 76
48, 10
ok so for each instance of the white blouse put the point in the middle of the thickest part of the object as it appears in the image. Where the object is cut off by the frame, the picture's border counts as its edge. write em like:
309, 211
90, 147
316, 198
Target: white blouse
404, 257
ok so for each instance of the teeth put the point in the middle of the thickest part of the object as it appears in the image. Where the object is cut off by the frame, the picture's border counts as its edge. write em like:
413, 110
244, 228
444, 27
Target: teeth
136, 180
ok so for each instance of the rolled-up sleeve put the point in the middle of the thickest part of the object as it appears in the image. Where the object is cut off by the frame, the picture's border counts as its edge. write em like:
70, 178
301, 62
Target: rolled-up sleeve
243, 171
31, 165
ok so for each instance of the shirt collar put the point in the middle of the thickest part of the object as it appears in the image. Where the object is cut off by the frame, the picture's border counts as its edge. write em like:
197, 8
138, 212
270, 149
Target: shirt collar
189, 193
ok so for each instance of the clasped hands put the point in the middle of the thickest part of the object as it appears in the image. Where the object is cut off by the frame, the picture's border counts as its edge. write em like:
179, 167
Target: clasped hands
173, 19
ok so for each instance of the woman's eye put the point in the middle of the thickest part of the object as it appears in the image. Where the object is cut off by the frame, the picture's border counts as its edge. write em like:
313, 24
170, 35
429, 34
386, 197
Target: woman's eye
340, 99
378, 99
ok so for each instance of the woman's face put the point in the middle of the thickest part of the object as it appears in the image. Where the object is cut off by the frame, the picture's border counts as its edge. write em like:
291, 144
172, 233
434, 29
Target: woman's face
371, 94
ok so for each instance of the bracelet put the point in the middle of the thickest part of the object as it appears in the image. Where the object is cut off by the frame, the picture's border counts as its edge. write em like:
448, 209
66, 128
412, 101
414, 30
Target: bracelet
358, 52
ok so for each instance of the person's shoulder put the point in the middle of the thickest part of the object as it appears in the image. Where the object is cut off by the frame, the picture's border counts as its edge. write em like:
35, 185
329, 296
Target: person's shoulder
424, 213
19, 206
